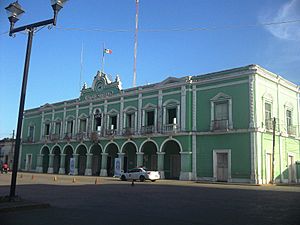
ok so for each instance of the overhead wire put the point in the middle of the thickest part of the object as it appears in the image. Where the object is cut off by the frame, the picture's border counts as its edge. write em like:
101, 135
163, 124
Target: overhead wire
178, 29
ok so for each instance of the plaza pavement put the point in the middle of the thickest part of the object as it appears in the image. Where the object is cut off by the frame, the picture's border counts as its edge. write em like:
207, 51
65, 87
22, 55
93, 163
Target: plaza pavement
170, 201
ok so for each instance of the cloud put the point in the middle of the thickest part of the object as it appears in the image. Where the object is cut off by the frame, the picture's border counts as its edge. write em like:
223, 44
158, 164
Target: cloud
286, 12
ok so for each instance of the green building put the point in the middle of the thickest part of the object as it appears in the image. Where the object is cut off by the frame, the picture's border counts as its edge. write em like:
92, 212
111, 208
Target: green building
215, 127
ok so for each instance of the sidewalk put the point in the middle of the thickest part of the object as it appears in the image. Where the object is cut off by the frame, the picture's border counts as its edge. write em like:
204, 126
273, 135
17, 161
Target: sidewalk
19, 204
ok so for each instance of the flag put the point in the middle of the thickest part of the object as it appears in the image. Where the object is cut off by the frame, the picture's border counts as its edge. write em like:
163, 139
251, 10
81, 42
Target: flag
107, 51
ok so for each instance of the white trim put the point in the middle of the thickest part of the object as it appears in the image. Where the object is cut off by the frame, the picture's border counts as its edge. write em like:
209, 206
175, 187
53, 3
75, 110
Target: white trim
81, 144
111, 142
129, 141
221, 85
170, 139
183, 107
194, 109
148, 140
215, 152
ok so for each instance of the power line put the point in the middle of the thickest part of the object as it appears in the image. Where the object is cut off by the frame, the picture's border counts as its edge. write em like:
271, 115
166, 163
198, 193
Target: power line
227, 27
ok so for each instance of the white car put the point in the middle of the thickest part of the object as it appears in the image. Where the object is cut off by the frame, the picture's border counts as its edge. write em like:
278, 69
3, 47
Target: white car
141, 174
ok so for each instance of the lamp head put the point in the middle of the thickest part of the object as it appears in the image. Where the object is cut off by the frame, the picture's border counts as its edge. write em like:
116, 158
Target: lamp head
14, 11
57, 4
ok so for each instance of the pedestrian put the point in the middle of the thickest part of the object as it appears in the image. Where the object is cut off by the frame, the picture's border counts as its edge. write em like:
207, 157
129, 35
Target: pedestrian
5, 168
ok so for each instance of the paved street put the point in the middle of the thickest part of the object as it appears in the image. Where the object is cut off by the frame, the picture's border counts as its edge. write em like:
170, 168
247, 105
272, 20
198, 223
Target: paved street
110, 201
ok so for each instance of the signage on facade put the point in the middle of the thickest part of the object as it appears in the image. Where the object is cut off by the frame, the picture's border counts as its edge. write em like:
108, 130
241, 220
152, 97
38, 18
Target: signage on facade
117, 167
72, 166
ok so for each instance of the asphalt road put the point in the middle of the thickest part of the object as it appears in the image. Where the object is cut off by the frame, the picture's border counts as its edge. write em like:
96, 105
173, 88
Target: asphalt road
113, 202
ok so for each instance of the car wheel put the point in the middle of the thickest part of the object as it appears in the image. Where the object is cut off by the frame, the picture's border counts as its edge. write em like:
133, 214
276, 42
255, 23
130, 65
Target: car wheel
153, 180
142, 178
123, 178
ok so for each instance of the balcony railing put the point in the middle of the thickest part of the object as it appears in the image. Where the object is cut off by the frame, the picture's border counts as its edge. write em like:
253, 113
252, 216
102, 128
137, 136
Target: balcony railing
110, 132
81, 136
291, 130
220, 125
96, 135
128, 131
269, 125
170, 128
54, 137
28, 140
148, 129
68, 136
46, 138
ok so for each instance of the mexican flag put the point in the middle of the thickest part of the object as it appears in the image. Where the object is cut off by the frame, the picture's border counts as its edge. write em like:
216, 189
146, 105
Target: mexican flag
107, 51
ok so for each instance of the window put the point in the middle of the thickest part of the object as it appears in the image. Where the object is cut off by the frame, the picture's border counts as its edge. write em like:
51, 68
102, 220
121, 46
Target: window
82, 125
47, 129
130, 120
57, 128
221, 112
289, 118
97, 120
113, 122
70, 127
30, 133
171, 116
150, 118
268, 115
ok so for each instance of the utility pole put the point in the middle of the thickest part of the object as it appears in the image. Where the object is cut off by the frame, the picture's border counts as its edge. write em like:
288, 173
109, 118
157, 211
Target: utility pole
12, 149
273, 150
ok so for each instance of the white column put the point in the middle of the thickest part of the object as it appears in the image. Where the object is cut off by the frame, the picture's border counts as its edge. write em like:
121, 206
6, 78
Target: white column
42, 125
88, 169
182, 118
194, 157
139, 116
139, 159
103, 171
50, 168
159, 114
122, 115
39, 164
194, 109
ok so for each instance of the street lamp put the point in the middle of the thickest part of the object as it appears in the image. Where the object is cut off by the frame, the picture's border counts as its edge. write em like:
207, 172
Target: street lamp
14, 11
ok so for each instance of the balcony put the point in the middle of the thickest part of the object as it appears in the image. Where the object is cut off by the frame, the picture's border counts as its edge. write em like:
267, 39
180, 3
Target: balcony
148, 129
291, 130
46, 138
81, 136
128, 131
170, 128
68, 136
110, 132
29, 140
54, 137
96, 135
221, 125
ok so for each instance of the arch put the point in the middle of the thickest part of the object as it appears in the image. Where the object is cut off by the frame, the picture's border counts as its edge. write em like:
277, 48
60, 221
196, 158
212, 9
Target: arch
112, 150
109, 143
170, 139
82, 116
96, 151
148, 140
45, 151
149, 106
56, 151
70, 117
129, 141
79, 146
129, 148
97, 110
172, 158
68, 151
130, 108
149, 148
267, 96
112, 112
81, 150
171, 102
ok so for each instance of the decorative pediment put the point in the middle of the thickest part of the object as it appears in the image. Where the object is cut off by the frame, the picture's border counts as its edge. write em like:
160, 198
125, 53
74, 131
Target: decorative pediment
221, 96
112, 112
170, 80
102, 86
149, 106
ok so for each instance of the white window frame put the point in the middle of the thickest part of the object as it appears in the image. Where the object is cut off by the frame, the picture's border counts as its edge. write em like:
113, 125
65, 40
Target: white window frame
169, 104
221, 97
83, 117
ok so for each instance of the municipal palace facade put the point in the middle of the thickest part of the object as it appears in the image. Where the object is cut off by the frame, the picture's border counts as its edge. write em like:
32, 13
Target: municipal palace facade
212, 127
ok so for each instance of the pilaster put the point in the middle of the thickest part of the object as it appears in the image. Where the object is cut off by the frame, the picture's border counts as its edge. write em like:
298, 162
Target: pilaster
62, 164
160, 164
103, 171
50, 168
88, 170
139, 159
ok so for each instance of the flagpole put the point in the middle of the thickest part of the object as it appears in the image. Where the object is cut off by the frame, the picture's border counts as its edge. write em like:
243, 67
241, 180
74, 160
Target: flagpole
135, 41
81, 66
102, 61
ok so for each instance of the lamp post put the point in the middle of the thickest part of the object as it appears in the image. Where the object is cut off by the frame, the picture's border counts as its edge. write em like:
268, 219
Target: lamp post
14, 11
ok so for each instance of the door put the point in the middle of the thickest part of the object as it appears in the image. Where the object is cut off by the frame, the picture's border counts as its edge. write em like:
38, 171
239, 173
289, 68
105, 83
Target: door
175, 166
28, 162
268, 168
291, 169
222, 167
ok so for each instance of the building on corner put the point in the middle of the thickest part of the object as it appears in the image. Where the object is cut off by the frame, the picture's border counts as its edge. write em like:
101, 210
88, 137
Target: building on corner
213, 127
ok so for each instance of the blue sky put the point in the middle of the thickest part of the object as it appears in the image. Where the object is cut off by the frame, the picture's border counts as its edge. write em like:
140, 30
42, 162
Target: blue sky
227, 42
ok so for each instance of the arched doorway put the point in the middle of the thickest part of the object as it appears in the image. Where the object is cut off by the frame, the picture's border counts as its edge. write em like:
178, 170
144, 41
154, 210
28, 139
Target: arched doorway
69, 153
96, 159
112, 150
45, 152
81, 151
150, 156
172, 160
56, 159
130, 156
